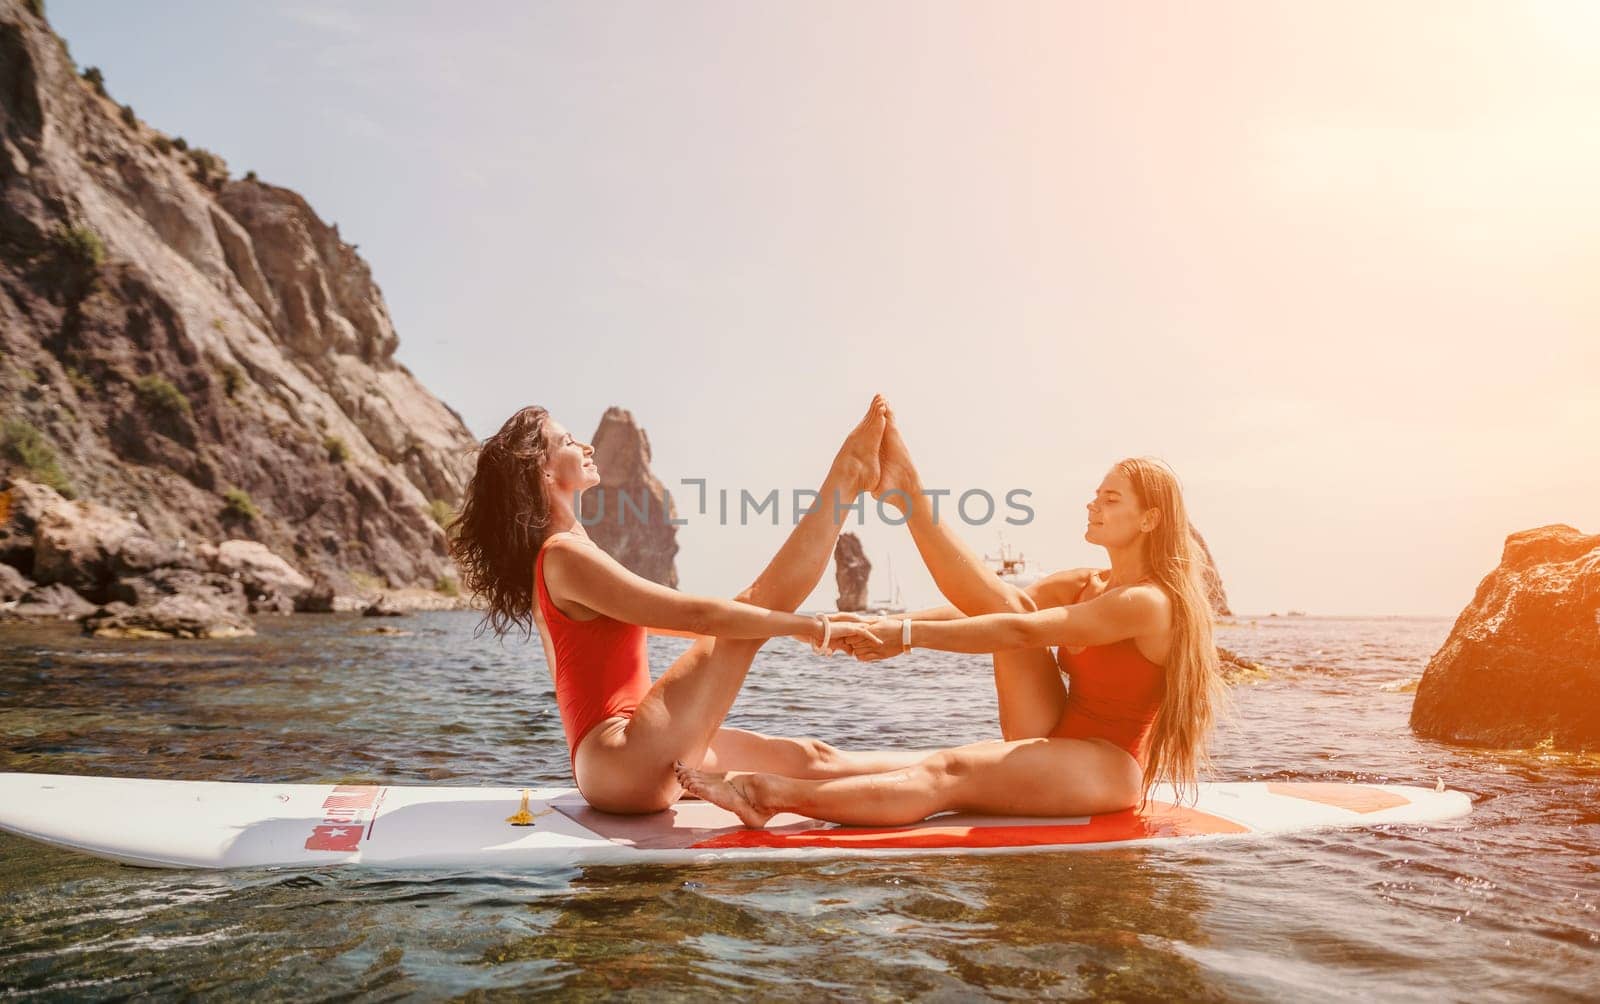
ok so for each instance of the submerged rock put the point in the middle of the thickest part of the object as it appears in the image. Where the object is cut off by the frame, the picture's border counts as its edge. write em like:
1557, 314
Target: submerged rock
629, 514
1237, 669
852, 571
1522, 664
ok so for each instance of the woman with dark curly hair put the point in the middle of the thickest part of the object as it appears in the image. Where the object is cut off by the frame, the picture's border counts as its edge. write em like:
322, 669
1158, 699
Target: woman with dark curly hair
520, 545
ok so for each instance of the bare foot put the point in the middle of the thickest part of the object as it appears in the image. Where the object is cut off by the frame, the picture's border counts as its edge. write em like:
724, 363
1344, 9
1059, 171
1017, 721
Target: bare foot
897, 475
719, 790
857, 460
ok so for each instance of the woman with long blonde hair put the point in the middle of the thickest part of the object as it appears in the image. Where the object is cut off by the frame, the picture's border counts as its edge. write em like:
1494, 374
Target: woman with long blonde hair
1134, 641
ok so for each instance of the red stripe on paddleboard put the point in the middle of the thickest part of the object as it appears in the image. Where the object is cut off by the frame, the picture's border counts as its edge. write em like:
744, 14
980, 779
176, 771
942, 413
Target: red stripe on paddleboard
1346, 796
1155, 821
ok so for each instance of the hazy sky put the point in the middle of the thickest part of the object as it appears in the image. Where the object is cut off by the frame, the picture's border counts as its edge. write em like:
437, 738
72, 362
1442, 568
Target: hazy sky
1335, 263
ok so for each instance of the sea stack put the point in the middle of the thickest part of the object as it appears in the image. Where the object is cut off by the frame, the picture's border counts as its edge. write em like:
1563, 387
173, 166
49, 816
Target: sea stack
1521, 667
852, 570
630, 514
1213, 578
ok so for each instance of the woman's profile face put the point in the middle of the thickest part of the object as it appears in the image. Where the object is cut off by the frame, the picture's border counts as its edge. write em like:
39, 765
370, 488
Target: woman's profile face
1114, 513
569, 465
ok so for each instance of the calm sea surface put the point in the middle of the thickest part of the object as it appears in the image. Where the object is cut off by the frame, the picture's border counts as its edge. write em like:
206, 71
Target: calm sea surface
1503, 905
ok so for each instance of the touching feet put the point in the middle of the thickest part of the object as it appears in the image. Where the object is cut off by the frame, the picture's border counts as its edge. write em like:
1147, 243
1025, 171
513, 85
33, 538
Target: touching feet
857, 460
898, 482
729, 793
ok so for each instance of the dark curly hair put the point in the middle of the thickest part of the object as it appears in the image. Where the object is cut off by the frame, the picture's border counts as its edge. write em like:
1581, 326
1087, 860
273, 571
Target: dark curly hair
503, 520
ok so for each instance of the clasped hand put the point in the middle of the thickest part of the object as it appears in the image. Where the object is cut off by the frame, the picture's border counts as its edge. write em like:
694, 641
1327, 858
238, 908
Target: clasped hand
869, 640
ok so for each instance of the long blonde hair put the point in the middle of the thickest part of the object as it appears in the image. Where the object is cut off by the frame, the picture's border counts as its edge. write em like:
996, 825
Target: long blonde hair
1195, 696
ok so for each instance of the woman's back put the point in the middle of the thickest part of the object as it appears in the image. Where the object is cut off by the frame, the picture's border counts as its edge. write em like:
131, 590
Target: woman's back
601, 666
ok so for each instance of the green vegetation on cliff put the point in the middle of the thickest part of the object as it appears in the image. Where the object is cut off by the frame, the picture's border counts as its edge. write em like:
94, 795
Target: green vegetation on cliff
26, 446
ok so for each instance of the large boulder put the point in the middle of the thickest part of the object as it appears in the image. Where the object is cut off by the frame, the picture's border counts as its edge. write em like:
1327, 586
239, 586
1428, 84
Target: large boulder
630, 513
1522, 664
76, 544
212, 587
268, 579
852, 571
21, 504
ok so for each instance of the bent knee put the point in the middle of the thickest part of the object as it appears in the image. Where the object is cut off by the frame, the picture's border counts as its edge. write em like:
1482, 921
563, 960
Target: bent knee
818, 753
945, 769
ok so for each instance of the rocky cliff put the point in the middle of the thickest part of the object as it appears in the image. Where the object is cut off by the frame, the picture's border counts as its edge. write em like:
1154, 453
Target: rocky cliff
630, 513
202, 352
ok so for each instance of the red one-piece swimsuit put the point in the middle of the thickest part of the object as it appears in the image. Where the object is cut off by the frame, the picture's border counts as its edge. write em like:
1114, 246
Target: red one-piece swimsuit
602, 665
1113, 693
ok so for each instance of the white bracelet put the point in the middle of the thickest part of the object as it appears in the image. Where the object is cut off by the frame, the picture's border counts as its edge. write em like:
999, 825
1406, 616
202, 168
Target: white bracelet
905, 634
827, 633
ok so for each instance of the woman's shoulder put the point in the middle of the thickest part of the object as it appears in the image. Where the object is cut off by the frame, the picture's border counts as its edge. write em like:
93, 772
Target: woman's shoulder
564, 549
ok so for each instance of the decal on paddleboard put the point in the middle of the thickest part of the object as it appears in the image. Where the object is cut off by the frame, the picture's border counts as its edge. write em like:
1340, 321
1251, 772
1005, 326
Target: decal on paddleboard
1355, 797
345, 814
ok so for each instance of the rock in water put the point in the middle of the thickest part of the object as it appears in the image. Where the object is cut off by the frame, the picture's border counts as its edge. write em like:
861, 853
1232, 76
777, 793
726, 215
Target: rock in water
1213, 578
852, 570
180, 616
630, 513
206, 352
1522, 664
382, 607
52, 601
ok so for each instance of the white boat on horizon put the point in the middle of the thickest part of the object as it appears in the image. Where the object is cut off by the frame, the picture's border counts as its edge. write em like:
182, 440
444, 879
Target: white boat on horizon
1012, 566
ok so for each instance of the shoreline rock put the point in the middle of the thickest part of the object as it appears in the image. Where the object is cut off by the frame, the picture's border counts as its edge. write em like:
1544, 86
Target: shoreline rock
1521, 667
96, 566
177, 616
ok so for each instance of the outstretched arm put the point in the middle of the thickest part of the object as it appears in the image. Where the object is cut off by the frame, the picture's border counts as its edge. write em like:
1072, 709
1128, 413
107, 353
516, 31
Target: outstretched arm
586, 575
1055, 590
1127, 613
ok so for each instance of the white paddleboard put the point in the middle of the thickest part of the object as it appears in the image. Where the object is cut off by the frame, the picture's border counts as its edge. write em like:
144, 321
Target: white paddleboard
215, 824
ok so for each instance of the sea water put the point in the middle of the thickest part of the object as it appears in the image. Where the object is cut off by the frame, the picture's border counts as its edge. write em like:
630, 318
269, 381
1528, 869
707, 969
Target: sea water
1501, 905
